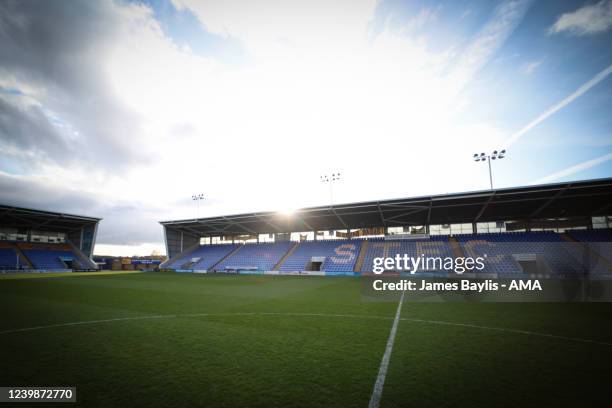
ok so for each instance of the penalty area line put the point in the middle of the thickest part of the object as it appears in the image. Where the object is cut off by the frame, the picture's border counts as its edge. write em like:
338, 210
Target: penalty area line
384, 363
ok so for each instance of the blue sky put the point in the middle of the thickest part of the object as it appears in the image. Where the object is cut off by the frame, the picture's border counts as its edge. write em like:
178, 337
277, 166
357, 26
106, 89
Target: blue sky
124, 109
184, 28
531, 71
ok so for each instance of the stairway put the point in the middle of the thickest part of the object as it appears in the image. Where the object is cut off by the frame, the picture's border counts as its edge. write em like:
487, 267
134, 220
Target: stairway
232, 252
361, 257
82, 258
286, 256
23, 259
179, 255
456, 247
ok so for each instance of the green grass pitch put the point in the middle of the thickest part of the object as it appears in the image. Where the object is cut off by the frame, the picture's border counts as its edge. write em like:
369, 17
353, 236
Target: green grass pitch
183, 340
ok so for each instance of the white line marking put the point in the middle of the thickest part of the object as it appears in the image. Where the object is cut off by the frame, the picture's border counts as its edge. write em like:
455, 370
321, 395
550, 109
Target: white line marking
348, 316
118, 319
515, 331
384, 363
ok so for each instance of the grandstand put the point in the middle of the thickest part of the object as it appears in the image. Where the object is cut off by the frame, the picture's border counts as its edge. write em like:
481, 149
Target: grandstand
201, 257
555, 229
34, 240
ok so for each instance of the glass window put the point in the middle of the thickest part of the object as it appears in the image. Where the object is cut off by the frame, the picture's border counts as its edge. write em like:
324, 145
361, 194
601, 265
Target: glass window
443, 229
302, 236
601, 222
461, 229
489, 227
395, 230
221, 240
416, 229
266, 237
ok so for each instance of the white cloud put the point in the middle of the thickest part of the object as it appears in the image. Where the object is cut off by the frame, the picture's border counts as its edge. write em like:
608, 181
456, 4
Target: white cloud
589, 19
425, 16
530, 67
574, 169
506, 17
269, 27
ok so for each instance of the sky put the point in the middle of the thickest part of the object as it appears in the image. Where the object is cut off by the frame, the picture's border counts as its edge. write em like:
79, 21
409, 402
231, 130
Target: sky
125, 109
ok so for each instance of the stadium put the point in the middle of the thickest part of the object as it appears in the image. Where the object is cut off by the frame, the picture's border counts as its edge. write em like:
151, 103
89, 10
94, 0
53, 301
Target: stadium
345, 239
227, 322
355, 203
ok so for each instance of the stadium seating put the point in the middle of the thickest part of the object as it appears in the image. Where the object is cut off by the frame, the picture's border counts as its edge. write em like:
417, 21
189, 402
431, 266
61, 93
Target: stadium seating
8, 258
206, 255
598, 235
339, 256
503, 249
50, 259
50, 256
42, 256
506, 254
260, 257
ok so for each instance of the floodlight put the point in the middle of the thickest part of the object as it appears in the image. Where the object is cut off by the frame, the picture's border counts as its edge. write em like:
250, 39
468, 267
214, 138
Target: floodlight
493, 156
331, 179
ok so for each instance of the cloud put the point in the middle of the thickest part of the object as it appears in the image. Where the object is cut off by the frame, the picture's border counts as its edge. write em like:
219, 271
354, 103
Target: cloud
506, 17
268, 27
587, 20
27, 127
529, 68
425, 16
574, 169
39, 191
124, 222
51, 52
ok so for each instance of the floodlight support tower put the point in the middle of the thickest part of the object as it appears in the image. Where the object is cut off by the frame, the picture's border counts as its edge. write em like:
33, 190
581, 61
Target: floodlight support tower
197, 198
331, 179
495, 155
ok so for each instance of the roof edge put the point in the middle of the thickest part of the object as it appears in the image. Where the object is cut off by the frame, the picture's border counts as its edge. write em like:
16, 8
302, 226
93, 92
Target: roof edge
456, 195
49, 213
